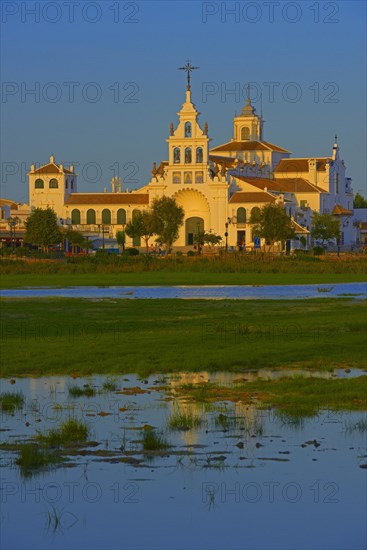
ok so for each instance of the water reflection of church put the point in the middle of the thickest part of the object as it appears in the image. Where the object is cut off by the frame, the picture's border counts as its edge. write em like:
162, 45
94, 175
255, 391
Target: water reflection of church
217, 186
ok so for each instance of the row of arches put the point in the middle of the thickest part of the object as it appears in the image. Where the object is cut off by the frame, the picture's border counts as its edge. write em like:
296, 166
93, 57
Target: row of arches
242, 214
106, 216
52, 184
187, 155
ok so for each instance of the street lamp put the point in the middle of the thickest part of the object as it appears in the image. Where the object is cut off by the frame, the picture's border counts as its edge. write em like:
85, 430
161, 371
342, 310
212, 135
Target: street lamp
232, 220
12, 223
99, 229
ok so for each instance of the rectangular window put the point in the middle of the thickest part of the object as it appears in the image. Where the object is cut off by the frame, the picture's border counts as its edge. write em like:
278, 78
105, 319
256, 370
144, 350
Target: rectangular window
199, 177
303, 205
176, 177
188, 177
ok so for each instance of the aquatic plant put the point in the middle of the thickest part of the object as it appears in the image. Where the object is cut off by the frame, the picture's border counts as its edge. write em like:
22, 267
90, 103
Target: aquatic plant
71, 431
154, 441
184, 421
32, 457
359, 426
10, 402
109, 385
77, 391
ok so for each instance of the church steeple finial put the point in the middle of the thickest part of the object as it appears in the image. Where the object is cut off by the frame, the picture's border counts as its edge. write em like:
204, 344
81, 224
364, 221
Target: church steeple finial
188, 68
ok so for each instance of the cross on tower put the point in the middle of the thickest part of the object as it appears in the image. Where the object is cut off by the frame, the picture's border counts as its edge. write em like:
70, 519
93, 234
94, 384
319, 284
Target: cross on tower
188, 68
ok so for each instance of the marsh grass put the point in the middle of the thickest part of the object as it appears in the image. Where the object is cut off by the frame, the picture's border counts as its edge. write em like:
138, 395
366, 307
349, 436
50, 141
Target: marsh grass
85, 391
11, 402
154, 441
54, 519
184, 421
32, 457
309, 334
359, 426
109, 385
70, 432
293, 397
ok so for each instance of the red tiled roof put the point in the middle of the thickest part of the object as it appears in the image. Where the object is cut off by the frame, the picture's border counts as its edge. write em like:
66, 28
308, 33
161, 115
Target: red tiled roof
249, 146
6, 202
283, 185
339, 210
107, 198
251, 197
52, 168
299, 165
227, 161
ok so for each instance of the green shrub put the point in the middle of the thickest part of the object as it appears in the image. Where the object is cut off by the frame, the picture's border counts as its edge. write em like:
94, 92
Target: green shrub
5, 251
191, 253
318, 251
102, 254
131, 252
21, 251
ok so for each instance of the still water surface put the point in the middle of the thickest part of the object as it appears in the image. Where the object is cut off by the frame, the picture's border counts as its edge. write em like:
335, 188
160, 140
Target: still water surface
245, 292
255, 481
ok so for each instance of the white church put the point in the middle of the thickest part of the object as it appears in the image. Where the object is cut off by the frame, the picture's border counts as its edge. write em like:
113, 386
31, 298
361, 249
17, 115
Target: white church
218, 188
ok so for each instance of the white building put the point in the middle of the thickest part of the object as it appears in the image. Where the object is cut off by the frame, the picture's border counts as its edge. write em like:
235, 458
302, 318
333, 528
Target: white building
215, 187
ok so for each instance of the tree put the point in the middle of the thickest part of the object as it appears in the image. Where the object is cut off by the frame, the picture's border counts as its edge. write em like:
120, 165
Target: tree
142, 226
75, 238
324, 227
209, 238
212, 239
42, 228
359, 201
121, 239
272, 223
168, 217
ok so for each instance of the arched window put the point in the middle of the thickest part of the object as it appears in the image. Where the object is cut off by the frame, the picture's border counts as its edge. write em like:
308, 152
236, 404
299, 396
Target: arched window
176, 155
75, 217
241, 215
188, 155
91, 216
54, 184
245, 133
255, 214
121, 216
38, 184
135, 213
188, 129
106, 216
199, 154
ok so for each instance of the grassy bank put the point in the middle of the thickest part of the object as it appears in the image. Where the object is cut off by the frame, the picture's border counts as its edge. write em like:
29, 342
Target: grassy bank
182, 278
146, 270
297, 396
66, 336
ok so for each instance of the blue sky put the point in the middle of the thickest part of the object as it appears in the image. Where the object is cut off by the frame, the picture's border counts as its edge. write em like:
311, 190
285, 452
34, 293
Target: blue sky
120, 59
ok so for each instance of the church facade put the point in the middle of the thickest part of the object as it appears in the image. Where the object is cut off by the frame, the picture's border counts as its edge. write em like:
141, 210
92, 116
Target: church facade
218, 188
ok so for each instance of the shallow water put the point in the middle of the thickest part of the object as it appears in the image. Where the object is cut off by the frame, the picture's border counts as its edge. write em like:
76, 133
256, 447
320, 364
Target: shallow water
247, 292
256, 480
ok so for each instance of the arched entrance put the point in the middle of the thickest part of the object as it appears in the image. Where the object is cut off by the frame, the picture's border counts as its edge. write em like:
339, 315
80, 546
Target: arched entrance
196, 208
192, 227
